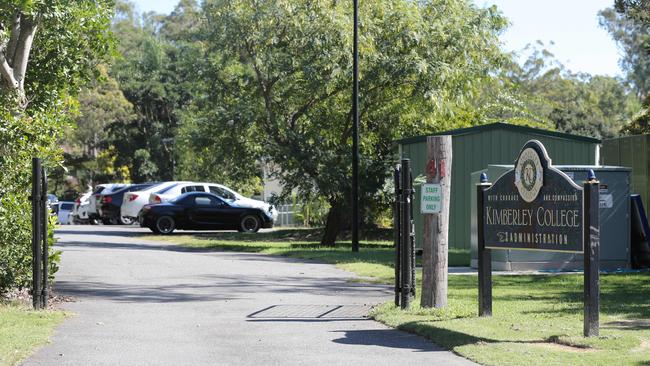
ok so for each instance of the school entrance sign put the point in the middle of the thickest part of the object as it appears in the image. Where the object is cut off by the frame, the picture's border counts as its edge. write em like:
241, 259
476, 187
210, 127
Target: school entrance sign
537, 207
534, 206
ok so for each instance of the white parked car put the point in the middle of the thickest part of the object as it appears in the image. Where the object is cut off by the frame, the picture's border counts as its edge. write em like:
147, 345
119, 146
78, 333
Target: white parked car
64, 211
222, 191
93, 207
80, 212
134, 201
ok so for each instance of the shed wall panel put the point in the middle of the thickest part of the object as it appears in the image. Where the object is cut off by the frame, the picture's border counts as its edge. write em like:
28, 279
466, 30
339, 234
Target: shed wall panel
632, 152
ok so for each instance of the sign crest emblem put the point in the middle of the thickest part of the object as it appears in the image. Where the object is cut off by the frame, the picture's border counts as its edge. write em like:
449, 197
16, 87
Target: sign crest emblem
529, 174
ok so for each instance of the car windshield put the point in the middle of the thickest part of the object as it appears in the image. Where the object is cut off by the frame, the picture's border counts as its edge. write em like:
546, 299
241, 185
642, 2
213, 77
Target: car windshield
223, 192
139, 187
166, 188
162, 191
67, 206
113, 189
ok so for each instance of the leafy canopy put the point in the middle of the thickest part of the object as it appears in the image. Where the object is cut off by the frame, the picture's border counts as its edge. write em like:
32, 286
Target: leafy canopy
278, 83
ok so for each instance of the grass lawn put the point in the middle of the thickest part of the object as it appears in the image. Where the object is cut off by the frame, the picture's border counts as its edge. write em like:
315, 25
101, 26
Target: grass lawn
537, 319
22, 330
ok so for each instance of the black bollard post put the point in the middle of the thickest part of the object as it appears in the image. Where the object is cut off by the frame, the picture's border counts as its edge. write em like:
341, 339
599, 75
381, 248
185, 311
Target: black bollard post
46, 253
591, 256
405, 227
37, 232
397, 230
411, 238
484, 254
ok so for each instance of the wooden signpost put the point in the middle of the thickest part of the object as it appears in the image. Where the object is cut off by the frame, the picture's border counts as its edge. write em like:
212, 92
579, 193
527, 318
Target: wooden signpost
537, 207
435, 202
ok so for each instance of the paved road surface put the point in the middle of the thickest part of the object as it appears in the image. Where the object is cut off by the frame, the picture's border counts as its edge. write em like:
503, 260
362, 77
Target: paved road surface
146, 303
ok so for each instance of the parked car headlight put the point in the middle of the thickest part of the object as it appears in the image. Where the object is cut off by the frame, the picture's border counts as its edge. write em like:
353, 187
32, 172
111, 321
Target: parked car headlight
272, 213
268, 212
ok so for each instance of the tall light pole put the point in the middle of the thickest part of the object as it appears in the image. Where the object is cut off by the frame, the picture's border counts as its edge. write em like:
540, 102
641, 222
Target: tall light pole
355, 133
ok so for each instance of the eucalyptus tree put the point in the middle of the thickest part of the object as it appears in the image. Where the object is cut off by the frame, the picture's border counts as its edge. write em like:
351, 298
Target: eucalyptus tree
156, 70
278, 85
629, 25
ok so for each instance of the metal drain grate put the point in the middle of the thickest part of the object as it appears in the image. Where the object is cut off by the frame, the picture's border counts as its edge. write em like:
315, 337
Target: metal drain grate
312, 312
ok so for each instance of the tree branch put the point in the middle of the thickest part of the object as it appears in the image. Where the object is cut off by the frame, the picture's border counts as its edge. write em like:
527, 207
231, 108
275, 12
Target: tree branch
23, 48
313, 101
5, 70
14, 34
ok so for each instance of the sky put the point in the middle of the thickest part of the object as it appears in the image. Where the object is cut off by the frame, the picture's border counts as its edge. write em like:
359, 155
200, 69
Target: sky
570, 25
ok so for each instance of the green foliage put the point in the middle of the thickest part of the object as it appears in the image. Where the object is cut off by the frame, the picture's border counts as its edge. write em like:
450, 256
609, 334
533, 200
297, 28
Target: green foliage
100, 104
311, 212
634, 9
278, 85
156, 68
543, 93
71, 38
640, 122
631, 31
15, 260
629, 25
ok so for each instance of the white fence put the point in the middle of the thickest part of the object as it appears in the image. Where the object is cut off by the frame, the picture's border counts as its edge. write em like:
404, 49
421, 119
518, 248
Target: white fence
287, 216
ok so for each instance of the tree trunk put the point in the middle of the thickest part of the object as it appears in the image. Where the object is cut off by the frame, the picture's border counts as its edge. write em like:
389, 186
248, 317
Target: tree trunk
436, 225
334, 224
14, 56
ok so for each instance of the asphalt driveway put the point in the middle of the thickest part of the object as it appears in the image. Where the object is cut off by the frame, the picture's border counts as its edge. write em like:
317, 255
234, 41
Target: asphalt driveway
138, 302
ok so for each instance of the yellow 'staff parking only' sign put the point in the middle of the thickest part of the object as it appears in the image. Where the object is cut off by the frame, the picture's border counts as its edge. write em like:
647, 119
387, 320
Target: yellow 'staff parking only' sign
431, 202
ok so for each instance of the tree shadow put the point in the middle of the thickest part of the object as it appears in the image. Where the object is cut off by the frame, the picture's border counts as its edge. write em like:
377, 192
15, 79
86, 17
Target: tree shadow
450, 339
640, 324
212, 287
389, 338
176, 293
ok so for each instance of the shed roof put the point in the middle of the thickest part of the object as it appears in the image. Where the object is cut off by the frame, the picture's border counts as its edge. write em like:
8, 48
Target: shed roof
501, 126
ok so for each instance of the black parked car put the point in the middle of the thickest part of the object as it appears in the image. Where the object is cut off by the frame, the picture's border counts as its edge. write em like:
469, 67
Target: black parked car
202, 211
109, 204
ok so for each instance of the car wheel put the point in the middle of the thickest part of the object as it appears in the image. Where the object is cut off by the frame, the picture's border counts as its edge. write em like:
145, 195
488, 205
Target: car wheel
250, 224
165, 225
126, 220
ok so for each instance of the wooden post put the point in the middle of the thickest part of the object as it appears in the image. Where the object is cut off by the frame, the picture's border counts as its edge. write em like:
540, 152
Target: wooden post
591, 256
484, 254
436, 225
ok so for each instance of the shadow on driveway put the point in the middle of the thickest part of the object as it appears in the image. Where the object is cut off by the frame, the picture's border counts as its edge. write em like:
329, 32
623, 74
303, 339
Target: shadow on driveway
385, 338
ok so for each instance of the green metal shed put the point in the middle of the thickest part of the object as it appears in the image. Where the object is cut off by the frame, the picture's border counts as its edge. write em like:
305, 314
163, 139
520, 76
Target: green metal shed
473, 149
633, 152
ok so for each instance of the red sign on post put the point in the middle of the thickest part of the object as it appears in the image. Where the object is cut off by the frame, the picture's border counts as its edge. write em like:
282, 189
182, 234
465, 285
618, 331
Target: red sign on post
431, 167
